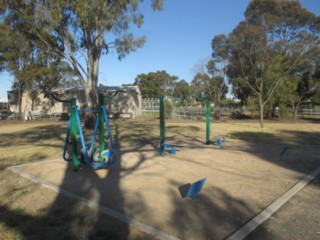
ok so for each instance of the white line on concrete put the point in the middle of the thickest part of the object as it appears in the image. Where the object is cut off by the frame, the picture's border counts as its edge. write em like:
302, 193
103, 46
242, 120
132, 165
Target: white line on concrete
143, 227
266, 213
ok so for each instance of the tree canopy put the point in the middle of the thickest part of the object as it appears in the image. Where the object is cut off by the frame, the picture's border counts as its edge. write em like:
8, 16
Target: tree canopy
267, 48
154, 84
182, 92
78, 31
210, 80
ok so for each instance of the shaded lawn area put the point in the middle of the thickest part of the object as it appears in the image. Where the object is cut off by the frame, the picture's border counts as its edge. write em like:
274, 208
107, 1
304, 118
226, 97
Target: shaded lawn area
24, 142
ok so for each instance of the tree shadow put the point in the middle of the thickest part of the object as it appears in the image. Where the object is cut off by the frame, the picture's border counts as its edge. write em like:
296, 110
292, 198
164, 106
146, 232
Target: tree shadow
104, 187
302, 153
38, 227
214, 214
34, 135
180, 131
101, 186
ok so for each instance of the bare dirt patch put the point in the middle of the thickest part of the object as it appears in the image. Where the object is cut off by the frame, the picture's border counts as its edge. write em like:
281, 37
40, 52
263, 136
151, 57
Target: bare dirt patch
243, 177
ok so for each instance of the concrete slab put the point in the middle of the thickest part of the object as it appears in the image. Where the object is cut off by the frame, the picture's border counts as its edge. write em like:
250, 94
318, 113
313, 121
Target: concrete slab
143, 187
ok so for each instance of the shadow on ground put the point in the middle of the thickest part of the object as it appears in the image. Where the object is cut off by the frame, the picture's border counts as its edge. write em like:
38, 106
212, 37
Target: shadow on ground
63, 219
302, 154
199, 219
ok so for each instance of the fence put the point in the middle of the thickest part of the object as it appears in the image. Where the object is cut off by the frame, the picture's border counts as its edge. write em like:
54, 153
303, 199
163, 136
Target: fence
313, 111
198, 114
33, 115
150, 104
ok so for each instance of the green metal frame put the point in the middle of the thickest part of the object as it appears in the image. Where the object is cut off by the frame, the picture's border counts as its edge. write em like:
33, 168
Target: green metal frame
102, 98
74, 130
208, 117
74, 134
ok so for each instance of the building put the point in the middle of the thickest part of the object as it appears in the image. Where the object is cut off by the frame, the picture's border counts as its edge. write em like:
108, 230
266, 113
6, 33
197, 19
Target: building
126, 104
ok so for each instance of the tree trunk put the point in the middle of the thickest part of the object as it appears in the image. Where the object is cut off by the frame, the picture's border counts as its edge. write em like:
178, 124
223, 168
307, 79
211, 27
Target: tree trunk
91, 94
296, 109
273, 114
91, 99
218, 108
261, 111
32, 104
261, 116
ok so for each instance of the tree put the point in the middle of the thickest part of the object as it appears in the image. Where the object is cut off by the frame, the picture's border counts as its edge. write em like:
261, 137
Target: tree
19, 59
79, 30
3, 45
275, 38
308, 85
210, 80
182, 92
155, 84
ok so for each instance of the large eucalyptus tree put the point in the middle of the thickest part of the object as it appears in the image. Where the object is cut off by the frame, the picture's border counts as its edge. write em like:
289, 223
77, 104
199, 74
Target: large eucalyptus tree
79, 31
275, 39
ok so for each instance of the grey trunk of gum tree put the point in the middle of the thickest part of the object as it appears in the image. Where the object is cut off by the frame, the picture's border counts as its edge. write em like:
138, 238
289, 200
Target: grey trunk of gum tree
296, 108
20, 96
261, 110
91, 85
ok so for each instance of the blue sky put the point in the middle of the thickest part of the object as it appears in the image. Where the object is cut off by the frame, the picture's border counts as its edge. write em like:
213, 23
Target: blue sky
178, 38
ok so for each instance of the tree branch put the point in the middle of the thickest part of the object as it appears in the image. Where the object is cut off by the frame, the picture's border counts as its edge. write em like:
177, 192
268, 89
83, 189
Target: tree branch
245, 78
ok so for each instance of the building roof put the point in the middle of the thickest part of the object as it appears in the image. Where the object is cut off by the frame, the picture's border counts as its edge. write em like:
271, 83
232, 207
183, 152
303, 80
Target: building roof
99, 89
102, 89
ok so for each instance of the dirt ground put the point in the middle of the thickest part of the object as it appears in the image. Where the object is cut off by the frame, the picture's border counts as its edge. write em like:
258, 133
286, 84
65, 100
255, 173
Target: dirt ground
242, 178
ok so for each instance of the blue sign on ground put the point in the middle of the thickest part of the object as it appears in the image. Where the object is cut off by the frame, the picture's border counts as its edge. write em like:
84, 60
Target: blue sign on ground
195, 188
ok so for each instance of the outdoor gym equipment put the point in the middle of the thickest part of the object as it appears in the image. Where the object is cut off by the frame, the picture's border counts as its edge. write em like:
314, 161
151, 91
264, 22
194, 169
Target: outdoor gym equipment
216, 139
164, 146
96, 160
208, 120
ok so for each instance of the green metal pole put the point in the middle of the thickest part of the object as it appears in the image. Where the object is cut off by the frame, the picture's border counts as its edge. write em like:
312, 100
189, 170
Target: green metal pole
102, 146
208, 121
74, 134
162, 124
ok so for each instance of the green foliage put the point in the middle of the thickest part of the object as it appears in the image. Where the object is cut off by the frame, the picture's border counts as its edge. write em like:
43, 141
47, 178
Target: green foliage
283, 110
227, 102
252, 107
274, 44
69, 29
155, 84
316, 99
209, 79
168, 108
181, 93
205, 85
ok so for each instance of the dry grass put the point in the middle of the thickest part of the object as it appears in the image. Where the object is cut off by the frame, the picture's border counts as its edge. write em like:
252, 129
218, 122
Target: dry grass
23, 142
26, 210
301, 133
